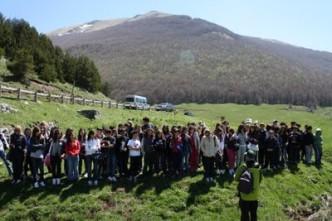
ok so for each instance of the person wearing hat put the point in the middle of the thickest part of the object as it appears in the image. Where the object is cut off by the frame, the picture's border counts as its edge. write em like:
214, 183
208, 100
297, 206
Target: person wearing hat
318, 147
209, 147
249, 201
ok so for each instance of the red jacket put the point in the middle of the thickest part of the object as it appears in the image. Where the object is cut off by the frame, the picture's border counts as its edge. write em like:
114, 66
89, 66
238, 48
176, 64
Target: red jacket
73, 148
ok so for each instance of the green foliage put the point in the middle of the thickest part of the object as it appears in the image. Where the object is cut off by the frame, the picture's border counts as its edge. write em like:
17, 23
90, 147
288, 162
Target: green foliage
18, 38
87, 75
22, 66
106, 89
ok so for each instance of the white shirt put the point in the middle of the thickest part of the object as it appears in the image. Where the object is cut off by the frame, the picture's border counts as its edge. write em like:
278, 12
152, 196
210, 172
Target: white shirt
92, 146
136, 145
3, 143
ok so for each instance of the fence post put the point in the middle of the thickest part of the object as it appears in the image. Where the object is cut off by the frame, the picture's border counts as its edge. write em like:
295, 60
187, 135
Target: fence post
35, 97
19, 94
73, 100
84, 102
49, 97
117, 105
62, 99
102, 103
110, 104
0, 90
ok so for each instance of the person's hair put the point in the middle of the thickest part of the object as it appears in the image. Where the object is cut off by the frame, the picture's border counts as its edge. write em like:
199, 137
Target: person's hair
69, 133
81, 134
36, 132
56, 134
240, 128
146, 119
159, 134
26, 130
91, 134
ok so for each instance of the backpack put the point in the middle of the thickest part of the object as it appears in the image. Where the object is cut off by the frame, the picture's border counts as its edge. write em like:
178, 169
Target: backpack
246, 182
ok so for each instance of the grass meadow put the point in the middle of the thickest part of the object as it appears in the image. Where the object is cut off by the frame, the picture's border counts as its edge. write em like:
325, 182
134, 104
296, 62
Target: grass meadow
159, 198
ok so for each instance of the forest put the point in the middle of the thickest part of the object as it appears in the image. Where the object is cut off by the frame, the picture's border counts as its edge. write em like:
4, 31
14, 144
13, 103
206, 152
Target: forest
32, 55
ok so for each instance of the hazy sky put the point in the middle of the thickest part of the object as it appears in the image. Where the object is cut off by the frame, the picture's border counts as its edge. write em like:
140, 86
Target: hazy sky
306, 23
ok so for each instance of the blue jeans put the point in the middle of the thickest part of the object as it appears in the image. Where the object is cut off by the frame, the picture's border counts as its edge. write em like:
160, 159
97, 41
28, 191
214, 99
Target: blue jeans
72, 162
92, 173
7, 163
112, 164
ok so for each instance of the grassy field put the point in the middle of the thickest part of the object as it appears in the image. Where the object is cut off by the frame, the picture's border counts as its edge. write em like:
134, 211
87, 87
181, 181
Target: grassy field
159, 198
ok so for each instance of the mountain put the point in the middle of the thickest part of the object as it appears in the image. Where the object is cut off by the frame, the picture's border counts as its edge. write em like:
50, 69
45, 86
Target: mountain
177, 58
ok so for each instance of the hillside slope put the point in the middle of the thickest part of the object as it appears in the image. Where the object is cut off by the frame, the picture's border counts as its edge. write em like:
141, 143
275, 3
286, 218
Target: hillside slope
184, 59
283, 195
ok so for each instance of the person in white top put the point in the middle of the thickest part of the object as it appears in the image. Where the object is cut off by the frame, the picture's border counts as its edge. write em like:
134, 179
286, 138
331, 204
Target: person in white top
4, 145
134, 146
92, 154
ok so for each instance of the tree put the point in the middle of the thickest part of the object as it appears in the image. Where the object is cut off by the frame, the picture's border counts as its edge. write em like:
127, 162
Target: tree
106, 89
22, 66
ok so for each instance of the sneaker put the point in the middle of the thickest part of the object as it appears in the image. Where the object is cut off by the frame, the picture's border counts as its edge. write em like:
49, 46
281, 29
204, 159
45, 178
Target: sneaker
54, 181
207, 179
110, 178
96, 182
90, 183
58, 181
222, 172
13, 181
218, 172
18, 181
36, 185
114, 179
42, 184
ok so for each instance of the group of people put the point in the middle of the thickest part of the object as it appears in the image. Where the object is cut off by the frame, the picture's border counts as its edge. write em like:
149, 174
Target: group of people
129, 150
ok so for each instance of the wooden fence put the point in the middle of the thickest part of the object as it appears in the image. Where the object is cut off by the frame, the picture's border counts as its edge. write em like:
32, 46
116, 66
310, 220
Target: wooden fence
22, 94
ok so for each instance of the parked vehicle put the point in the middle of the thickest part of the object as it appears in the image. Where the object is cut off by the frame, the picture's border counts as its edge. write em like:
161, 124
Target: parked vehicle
136, 102
168, 107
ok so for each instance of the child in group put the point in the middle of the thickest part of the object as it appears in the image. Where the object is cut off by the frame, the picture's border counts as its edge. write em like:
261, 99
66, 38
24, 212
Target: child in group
134, 146
92, 153
38, 145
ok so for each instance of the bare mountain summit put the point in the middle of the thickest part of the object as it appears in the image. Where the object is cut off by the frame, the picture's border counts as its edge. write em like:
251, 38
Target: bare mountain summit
182, 59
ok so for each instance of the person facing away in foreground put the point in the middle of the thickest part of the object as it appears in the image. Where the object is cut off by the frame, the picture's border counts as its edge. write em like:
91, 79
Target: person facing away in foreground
251, 175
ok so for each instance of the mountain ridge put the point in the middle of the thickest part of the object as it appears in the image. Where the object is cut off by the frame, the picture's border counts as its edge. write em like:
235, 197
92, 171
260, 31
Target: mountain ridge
154, 47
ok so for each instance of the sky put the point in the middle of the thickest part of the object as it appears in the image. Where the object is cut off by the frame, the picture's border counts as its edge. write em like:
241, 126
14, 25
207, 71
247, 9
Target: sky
306, 23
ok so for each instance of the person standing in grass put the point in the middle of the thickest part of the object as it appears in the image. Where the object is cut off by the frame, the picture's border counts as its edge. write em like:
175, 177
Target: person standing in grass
27, 161
249, 201
149, 152
318, 147
308, 141
231, 149
159, 145
176, 152
16, 153
194, 152
3, 146
209, 146
108, 143
134, 146
82, 138
92, 153
242, 140
72, 150
38, 145
56, 152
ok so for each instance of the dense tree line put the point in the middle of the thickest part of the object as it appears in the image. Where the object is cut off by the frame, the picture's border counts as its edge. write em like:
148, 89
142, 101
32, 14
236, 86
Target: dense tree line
32, 54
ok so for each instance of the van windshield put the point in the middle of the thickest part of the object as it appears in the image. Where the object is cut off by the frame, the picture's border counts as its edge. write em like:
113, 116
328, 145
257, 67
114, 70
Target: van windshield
130, 99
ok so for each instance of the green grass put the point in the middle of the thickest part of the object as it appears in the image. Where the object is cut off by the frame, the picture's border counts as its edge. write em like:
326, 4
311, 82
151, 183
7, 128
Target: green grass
159, 198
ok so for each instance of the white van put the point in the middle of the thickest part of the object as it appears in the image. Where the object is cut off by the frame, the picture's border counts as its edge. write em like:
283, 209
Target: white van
136, 102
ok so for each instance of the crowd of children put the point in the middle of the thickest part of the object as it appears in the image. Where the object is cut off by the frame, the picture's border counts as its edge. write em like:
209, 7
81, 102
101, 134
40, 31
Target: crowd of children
128, 150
